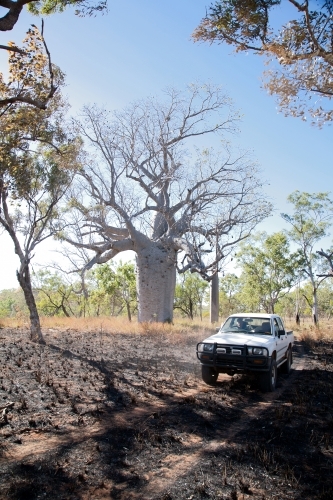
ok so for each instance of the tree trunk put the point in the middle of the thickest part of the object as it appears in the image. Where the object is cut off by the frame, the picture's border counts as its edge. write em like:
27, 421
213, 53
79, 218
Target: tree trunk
298, 320
315, 307
214, 299
64, 310
128, 307
190, 306
156, 281
23, 277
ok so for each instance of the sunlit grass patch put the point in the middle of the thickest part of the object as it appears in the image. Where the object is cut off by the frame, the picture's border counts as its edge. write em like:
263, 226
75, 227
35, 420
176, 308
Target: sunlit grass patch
309, 333
180, 329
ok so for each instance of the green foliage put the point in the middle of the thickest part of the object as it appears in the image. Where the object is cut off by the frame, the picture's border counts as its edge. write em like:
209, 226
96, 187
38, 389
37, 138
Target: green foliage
118, 283
32, 79
45, 7
83, 7
32, 135
229, 302
56, 295
12, 304
311, 219
325, 299
269, 270
300, 52
190, 294
310, 222
108, 290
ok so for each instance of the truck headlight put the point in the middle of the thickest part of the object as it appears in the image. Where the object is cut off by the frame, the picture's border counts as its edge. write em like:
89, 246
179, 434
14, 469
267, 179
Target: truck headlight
257, 351
208, 347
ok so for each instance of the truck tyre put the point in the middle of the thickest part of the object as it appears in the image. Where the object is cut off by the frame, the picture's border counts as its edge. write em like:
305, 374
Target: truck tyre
286, 367
209, 375
268, 379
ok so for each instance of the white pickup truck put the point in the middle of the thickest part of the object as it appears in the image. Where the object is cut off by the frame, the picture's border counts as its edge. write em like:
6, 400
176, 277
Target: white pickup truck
248, 342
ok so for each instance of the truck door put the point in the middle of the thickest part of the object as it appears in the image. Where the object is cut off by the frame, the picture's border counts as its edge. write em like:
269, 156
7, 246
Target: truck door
282, 340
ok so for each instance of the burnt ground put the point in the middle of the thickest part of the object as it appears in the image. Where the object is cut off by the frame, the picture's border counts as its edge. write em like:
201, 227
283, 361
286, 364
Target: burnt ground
126, 416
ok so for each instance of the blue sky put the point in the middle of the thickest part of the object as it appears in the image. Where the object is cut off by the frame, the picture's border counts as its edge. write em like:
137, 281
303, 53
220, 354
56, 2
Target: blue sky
141, 47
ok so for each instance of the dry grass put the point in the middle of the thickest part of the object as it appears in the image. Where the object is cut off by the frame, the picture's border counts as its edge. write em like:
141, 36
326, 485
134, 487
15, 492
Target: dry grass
180, 328
308, 333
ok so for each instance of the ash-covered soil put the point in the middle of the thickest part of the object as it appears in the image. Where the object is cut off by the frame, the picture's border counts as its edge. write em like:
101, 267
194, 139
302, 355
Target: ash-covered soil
99, 416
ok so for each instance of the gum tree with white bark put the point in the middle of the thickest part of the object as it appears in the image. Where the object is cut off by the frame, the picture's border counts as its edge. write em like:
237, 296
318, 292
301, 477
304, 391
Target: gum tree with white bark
145, 186
38, 161
310, 222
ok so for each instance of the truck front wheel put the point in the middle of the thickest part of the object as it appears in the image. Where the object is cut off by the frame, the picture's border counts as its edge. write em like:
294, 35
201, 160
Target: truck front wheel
209, 375
268, 379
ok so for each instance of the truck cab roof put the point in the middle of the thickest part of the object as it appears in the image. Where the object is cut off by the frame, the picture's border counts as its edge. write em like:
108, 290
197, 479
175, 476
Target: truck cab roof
254, 315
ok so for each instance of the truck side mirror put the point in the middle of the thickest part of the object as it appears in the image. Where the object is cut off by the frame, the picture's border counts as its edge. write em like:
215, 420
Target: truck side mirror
217, 329
281, 332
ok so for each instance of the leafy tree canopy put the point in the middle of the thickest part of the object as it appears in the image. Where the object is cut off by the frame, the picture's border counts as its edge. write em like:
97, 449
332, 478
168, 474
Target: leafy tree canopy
119, 281
301, 49
230, 287
32, 78
269, 270
45, 7
310, 220
309, 223
189, 294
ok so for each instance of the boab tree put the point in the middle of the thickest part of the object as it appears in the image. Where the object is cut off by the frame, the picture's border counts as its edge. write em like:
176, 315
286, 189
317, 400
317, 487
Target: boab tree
141, 189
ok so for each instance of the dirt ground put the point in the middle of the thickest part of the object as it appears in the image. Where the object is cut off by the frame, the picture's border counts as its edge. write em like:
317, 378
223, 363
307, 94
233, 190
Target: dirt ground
126, 416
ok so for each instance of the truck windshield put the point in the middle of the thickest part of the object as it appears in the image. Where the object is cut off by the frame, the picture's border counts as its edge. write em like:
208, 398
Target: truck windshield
247, 325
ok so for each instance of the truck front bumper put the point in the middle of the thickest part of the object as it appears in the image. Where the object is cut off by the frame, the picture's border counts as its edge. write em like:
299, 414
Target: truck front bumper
226, 358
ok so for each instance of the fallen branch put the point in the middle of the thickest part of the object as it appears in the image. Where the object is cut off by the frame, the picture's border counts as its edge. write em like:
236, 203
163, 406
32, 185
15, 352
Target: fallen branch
8, 405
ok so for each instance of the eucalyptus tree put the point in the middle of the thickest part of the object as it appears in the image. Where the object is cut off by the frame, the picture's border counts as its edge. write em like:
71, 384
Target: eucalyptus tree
229, 289
328, 258
118, 282
269, 270
32, 78
55, 293
32, 82
299, 50
310, 222
38, 159
13, 9
190, 293
146, 187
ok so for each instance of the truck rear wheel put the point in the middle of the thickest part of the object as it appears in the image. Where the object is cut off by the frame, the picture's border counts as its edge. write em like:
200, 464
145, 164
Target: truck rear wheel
268, 379
209, 375
286, 367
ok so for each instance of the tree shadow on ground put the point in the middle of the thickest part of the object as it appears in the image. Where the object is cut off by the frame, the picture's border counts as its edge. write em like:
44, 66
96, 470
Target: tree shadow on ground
227, 440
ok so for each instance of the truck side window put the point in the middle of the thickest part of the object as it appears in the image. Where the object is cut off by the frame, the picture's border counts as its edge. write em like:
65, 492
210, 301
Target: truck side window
276, 327
281, 327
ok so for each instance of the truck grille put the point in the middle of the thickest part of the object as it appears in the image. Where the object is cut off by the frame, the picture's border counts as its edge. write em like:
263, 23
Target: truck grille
221, 361
227, 349
228, 355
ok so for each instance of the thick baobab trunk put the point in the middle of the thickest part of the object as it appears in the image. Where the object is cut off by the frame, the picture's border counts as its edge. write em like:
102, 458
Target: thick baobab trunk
156, 281
23, 277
